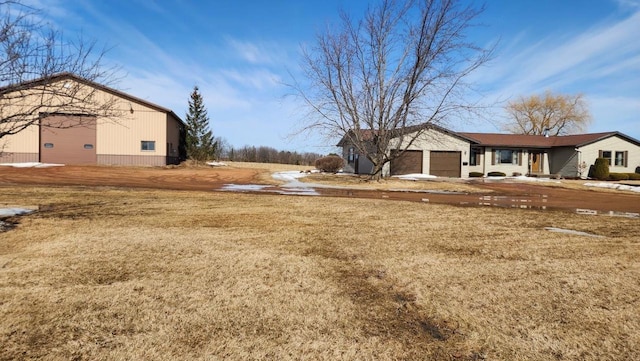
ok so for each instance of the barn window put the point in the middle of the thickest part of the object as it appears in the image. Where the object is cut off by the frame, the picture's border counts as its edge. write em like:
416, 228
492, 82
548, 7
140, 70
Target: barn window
88, 146
48, 145
148, 145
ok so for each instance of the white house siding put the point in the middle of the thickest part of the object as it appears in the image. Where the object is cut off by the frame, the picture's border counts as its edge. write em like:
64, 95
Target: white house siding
434, 140
590, 152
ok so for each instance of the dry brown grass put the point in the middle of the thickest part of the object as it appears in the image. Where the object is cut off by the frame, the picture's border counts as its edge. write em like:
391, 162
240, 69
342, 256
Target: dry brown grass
365, 182
162, 275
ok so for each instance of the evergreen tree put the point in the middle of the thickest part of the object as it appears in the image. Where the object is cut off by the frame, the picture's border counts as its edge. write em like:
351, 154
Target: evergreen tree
199, 138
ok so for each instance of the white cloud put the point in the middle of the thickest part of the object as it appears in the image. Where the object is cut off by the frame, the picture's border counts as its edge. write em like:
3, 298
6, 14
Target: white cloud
602, 62
259, 52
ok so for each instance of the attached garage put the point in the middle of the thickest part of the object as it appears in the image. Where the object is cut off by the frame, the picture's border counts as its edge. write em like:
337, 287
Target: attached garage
410, 162
68, 139
445, 163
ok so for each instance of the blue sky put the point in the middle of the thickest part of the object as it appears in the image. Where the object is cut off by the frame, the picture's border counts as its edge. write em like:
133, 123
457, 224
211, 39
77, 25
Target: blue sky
240, 53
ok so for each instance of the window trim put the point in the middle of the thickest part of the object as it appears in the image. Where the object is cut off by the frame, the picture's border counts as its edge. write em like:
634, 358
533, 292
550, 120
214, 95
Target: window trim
152, 143
602, 155
516, 158
624, 156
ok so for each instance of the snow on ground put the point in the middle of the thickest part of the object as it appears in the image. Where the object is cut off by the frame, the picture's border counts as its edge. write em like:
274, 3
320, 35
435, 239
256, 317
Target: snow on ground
414, 176
570, 231
10, 212
618, 186
217, 164
31, 165
523, 179
244, 187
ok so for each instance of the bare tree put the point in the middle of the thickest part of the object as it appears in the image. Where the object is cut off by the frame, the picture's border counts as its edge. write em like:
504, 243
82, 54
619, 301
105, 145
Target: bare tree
390, 75
554, 114
35, 64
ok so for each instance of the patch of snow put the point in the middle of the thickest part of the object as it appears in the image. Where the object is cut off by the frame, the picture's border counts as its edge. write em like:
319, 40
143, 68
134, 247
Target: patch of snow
289, 176
217, 164
534, 179
31, 165
414, 176
10, 212
622, 187
570, 231
243, 187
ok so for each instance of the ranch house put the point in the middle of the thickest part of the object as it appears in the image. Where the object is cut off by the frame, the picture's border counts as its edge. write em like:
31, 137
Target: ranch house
440, 152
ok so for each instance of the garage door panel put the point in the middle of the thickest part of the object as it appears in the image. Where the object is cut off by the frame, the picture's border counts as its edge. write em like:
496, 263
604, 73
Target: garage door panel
445, 164
68, 139
409, 162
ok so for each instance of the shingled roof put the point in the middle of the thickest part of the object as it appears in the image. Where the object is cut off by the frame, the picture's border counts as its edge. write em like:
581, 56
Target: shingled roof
540, 141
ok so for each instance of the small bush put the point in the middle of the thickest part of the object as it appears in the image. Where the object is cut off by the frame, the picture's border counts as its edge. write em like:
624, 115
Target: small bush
476, 174
634, 176
601, 169
618, 176
330, 163
496, 174
516, 174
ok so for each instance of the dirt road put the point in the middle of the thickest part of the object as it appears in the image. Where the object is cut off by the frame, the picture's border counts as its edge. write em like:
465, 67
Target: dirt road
501, 194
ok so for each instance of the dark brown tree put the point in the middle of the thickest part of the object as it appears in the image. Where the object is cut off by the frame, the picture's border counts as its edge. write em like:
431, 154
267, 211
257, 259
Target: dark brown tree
392, 73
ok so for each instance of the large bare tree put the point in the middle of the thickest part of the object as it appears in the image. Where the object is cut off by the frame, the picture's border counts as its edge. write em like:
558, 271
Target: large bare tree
553, 114
33, 56
383, 79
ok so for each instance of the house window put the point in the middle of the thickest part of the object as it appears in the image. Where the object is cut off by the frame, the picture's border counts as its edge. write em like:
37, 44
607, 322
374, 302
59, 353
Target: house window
474, 156
351, 155
606, 154
506, 156
621, 159
48, 145
88, 146
148, 145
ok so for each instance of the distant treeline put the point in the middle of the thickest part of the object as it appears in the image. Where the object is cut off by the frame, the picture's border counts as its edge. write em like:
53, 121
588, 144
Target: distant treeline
263, 154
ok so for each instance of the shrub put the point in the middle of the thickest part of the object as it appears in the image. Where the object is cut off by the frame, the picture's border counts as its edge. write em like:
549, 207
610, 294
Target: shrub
476, 174
634, 176
330, 164
618, 176
516, 174
601, 169
496, 174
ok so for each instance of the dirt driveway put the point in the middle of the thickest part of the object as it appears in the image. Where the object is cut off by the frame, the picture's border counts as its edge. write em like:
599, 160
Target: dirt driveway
501, 194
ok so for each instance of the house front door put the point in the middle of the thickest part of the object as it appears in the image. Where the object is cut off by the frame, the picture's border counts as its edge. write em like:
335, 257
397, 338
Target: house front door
536, 162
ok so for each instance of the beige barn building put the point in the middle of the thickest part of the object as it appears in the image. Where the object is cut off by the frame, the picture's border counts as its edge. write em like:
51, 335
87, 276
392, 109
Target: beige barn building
70, 120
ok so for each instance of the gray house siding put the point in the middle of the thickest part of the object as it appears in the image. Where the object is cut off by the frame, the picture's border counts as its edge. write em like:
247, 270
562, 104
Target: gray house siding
564, 161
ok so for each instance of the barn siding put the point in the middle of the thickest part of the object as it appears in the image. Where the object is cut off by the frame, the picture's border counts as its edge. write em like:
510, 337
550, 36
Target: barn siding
114, 159
15, 157
118, 140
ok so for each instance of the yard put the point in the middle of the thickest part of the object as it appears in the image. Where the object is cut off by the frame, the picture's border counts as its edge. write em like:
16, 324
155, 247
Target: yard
102, 272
